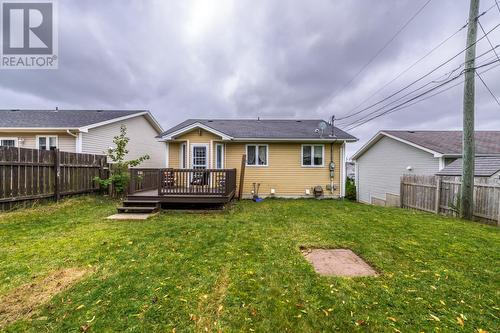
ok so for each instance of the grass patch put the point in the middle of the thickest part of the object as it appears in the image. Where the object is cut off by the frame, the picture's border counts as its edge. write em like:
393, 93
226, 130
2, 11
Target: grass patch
242, 270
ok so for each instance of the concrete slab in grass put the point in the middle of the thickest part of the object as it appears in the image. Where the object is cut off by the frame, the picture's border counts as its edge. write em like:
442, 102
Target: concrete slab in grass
130, 216
338, 262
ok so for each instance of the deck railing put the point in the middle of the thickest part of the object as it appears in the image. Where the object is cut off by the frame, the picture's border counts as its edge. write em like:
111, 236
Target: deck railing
142, 179
220, 182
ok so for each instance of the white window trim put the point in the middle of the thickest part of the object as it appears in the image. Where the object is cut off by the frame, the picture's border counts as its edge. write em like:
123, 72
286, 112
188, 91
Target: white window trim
217, 155
207, 146
182, 159
16, 140
322, 165
47, 136
257, 165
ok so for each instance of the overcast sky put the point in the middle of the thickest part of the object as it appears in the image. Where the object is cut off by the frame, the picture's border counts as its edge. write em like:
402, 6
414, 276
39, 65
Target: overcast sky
273, 59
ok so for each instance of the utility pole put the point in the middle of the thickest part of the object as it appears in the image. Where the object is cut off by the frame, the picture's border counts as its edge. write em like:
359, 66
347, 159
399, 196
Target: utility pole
468, 149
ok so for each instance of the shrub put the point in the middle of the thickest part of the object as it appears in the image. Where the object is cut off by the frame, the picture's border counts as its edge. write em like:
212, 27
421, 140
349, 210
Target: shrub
350, 189
119, 174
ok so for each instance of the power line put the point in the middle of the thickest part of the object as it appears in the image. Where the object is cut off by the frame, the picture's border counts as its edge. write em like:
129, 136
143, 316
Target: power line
408, 68
403, 105
488, 38
411, 66
416, 90
488, 88
419, 79
380, 50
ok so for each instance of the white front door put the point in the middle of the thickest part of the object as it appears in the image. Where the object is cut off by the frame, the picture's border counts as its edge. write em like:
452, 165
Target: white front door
199, 156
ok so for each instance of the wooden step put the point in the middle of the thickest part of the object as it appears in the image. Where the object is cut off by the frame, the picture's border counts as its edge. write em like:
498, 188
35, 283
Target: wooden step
146, 210
140, 203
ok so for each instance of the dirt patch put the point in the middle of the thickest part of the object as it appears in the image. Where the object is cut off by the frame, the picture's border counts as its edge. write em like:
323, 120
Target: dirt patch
24, 301
337, 262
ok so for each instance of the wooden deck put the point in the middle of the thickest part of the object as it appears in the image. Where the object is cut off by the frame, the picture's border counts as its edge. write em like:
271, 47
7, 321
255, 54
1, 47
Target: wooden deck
152, 195
183, 186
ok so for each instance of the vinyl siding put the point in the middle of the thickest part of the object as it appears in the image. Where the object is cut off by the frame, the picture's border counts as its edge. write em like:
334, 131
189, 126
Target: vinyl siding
197, 136
284, 172
66, 142
173, 155
380, 168
142, 141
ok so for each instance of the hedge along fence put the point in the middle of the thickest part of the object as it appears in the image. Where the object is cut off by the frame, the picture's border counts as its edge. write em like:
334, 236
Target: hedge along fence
29, 175
441, 195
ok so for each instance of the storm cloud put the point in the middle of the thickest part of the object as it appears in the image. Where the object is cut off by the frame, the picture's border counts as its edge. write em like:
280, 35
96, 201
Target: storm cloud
268, 59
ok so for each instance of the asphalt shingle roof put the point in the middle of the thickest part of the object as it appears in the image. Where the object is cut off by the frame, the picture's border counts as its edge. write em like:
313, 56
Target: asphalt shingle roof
450, 142
58, 118
265, 129
483, 167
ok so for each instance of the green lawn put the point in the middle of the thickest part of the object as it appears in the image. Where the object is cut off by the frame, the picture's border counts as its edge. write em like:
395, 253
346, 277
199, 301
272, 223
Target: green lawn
242, 270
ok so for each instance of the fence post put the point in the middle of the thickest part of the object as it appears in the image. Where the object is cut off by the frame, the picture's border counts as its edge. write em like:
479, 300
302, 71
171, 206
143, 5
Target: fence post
498, 221
438, 193
57, 169
401, 192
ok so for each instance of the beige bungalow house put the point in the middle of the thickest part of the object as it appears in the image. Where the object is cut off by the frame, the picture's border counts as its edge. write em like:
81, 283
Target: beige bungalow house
287, 158
83, 131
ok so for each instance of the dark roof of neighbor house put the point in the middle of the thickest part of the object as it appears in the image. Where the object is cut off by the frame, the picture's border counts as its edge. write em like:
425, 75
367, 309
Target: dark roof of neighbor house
58, 118
483, 167
265, 129
450, 142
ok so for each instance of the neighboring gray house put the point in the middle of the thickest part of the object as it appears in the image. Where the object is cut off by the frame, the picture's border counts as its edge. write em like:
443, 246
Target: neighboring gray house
387, 156
83, 131
487, 168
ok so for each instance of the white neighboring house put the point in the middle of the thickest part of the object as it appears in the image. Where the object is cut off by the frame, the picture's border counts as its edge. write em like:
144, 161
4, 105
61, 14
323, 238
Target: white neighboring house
387, 156
84, 131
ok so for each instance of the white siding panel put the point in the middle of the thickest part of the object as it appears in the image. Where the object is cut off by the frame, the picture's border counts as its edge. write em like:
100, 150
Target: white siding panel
142, 141
379, 169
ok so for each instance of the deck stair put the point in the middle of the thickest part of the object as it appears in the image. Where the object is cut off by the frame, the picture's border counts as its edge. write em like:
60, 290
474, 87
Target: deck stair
139, 206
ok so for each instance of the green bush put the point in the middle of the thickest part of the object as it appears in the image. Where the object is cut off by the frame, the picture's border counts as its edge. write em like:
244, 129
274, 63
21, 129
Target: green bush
350, 189
119, 170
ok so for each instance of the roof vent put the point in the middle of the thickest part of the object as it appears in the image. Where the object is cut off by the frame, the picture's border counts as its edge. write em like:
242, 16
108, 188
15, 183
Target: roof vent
14, 110
411, 131
210, 121
299, 121
98, 110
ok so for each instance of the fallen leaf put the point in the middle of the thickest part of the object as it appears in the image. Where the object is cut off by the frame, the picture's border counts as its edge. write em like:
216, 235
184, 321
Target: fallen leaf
392, 319
460, 321
80, 306
434, 317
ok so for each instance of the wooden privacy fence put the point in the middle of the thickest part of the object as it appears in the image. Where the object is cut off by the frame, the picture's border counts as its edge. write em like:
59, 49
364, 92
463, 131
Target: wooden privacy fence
441, 195
27, 175
143, 180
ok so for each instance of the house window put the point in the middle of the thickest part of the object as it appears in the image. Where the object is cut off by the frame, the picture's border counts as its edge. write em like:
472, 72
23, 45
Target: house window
219, 156
257, 155
46, 142
8, 142
312, 155
183, 156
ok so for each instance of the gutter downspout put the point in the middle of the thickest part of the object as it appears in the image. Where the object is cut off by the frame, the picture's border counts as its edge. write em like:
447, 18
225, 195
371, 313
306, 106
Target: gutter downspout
78, 141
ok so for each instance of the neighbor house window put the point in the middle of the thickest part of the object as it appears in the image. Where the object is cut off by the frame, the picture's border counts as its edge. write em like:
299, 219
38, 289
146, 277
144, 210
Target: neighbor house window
183, 157
47, 142
257, 155
8, 142
219, 156
312, 155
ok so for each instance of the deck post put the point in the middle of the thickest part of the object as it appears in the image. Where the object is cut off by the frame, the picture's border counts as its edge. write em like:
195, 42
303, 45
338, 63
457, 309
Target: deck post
159, 181
242, 175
